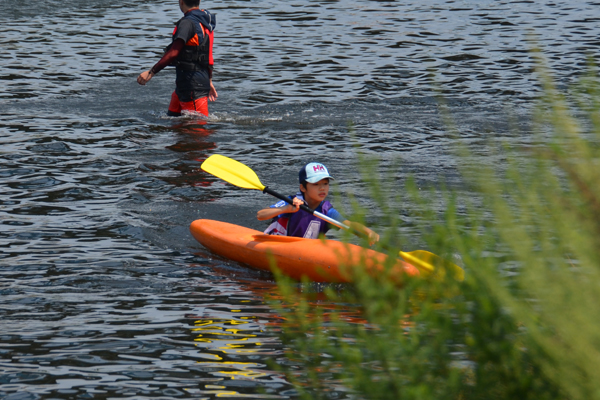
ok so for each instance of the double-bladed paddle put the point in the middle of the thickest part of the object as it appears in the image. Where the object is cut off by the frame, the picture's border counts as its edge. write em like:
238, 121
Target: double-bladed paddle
240, 175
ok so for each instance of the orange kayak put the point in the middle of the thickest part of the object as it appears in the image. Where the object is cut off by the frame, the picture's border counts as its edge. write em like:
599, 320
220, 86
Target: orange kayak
319, 260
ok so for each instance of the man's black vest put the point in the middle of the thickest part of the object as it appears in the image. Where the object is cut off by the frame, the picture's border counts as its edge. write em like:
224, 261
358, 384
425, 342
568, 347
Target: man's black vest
195, 54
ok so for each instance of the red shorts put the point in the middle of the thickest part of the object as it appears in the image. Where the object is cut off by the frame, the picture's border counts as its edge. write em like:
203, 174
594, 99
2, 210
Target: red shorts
199, 105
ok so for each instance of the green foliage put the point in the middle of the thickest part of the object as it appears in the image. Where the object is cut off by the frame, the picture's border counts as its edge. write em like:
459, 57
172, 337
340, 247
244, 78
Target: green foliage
524, 323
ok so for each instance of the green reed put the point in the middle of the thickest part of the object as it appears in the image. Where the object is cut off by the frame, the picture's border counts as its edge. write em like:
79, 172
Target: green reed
523, 324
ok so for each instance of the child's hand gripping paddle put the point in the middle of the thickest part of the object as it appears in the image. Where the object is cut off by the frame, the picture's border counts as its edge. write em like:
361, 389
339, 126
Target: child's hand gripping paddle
240, 175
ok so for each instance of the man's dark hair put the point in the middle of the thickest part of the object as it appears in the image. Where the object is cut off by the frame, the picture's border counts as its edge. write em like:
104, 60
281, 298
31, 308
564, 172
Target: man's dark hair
192, 3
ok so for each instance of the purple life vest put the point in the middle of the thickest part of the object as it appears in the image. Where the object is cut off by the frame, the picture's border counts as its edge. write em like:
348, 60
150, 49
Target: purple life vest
300, 223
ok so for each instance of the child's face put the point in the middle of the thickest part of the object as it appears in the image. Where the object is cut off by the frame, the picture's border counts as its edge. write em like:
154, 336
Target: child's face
316, 192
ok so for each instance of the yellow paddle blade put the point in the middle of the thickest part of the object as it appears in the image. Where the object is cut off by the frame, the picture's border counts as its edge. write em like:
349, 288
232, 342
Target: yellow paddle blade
428, 262
232, 171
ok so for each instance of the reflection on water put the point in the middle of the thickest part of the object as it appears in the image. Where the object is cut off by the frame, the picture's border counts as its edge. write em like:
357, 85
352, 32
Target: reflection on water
103, 291
235, 339
234, 348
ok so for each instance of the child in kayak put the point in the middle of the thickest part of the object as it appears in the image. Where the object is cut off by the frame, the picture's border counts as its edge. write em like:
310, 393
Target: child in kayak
289, 220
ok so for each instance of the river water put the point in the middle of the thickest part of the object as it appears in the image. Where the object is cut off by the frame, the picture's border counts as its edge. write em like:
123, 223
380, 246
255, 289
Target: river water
103, 292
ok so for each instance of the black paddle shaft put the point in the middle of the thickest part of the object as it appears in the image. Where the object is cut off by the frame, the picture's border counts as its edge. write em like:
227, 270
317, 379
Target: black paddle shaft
288, 200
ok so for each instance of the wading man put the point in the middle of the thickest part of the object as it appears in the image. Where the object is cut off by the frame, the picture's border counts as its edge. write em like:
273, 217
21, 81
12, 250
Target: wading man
191, 53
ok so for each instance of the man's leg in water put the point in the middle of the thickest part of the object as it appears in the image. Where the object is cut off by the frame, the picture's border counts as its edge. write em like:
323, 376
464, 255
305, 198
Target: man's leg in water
174, 106
199, 105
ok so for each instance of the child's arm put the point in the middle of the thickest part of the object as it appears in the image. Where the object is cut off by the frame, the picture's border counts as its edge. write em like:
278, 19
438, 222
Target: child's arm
363, 230
357, 228
268, 213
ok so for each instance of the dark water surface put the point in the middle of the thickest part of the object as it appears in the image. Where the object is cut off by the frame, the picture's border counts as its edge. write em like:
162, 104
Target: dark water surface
103, 292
